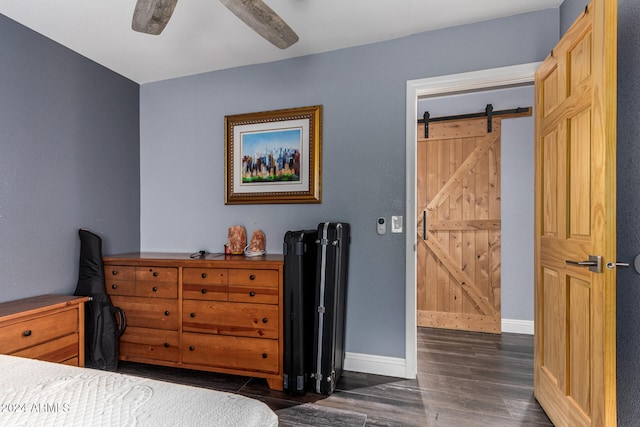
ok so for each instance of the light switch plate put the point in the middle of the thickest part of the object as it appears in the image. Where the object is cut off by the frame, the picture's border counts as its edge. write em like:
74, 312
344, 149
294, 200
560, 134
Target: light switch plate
396, 224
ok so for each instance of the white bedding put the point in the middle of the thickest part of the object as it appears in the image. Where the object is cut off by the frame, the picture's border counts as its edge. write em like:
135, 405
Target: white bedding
35, 393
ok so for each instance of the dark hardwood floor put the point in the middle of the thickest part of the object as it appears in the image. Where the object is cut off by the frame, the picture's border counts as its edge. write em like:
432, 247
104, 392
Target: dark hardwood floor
464, 379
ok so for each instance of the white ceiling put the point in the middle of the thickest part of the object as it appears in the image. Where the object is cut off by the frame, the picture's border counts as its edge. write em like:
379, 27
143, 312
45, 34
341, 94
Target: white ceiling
203, 35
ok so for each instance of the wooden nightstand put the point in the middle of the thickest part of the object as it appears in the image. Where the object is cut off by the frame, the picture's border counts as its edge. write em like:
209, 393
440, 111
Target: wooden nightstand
46, 327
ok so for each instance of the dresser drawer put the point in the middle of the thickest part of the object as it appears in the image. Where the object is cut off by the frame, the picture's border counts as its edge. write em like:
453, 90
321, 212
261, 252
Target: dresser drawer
158, 313
251, 277
120, 280
227, 318
117, 286
205, 292
254, 294
210, 276
248, 354
36, 331
204, 284
119, 272
149, 344
164, 284
157, 290
58, 350
156, 274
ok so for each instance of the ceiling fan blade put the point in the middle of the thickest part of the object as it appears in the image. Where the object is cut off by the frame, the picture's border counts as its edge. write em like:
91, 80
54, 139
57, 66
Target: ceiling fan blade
151, 16
263, 20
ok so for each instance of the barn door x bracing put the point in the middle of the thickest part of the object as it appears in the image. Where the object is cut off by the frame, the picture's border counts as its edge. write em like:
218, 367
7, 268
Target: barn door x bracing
575, 245
458, 183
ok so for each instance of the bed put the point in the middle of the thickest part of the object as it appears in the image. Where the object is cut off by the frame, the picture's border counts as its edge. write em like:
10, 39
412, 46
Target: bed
33, 392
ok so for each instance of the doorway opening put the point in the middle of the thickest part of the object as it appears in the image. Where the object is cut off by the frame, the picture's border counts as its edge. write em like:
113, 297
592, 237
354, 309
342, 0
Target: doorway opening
438, 86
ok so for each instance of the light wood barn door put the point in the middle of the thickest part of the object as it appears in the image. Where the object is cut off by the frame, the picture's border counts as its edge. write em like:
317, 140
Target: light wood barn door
458, 182
575, 308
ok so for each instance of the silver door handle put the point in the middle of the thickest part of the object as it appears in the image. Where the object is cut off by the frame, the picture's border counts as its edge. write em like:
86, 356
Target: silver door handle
582, 263
594, 263
612, 265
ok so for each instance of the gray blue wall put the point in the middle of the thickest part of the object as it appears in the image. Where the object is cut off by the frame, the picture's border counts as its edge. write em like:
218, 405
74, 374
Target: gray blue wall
628, 202
69, 158
363, 92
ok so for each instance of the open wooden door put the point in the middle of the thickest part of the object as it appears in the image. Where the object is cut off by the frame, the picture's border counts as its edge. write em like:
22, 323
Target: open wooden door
575, 244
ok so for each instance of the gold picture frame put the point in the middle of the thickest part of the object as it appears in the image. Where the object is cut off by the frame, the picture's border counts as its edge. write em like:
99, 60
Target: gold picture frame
273, 157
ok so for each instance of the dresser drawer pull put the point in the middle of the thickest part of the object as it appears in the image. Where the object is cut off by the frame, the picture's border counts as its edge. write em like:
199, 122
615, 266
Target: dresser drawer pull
204, 291
252, 277
114, 272
204, 275
252, 294
155, 289
265, 320
155, 274
191, 348
192, 315
27, 333
264, 355
166, 345
166, 313
114, 286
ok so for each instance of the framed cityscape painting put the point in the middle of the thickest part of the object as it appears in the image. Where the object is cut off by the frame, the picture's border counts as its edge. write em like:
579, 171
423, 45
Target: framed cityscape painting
274, 156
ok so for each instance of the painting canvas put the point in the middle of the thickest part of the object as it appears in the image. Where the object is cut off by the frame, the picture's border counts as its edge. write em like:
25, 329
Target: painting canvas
271, 156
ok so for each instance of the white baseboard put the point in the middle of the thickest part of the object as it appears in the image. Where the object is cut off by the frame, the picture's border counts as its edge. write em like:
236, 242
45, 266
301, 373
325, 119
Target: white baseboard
517, 326
372, 364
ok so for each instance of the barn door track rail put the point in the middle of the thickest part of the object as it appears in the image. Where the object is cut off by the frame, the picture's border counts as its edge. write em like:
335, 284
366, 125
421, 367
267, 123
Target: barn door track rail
488, 113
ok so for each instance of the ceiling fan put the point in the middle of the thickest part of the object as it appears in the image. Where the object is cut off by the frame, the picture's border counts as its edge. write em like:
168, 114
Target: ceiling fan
151, 16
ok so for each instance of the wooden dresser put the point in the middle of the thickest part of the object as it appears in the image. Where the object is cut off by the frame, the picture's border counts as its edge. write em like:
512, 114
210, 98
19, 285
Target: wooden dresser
220, 313
46, 327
